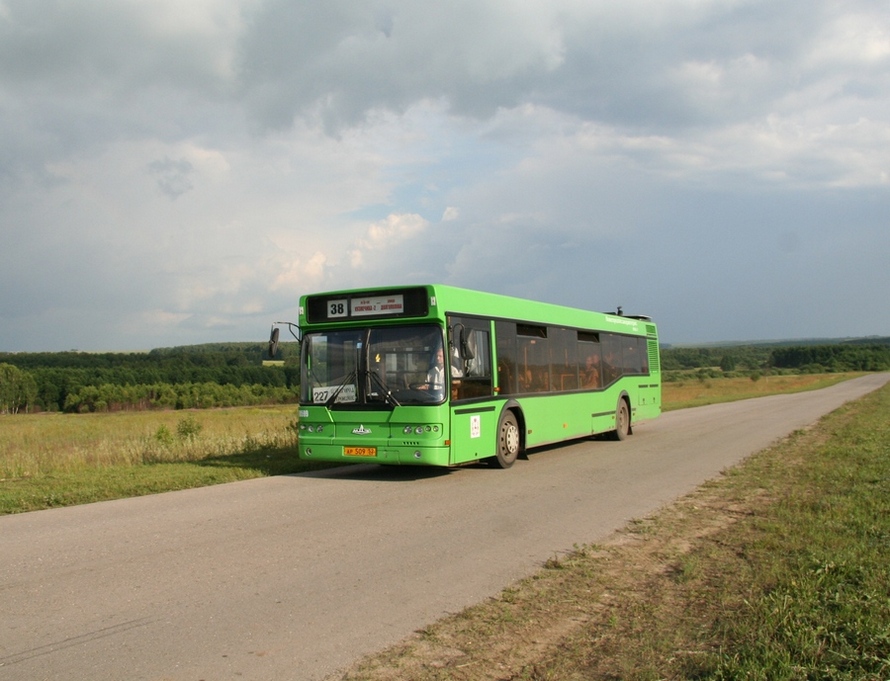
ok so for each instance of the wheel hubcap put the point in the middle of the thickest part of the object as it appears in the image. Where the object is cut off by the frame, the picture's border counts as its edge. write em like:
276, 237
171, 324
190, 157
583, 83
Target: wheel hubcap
511, 439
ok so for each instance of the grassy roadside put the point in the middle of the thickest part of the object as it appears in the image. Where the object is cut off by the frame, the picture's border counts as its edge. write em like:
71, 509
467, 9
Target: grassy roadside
699, 392
777, 570
50, 460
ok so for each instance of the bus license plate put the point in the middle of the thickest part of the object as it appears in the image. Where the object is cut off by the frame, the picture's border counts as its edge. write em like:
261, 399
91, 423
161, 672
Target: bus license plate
360, 451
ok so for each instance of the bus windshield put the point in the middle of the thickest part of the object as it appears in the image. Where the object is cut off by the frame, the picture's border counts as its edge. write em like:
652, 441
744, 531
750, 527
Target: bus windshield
378, 366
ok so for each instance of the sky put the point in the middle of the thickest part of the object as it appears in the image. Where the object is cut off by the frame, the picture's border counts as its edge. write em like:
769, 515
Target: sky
174, 173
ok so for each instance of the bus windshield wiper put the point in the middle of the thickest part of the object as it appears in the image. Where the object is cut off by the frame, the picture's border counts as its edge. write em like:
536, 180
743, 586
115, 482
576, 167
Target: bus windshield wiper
387, 393
349, 377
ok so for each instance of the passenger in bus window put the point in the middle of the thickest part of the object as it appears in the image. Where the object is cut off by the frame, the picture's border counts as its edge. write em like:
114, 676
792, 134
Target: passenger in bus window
612, 368
590, 376
525, 379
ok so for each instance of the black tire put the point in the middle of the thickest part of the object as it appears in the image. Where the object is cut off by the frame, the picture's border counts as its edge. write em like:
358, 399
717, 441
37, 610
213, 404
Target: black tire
622, 420
509, 441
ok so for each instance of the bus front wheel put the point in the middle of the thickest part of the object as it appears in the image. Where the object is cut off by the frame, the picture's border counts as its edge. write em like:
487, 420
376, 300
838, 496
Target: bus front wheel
622, 420
508, 441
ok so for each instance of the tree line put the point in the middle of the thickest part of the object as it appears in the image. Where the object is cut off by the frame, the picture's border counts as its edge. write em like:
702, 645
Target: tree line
168, 378
833, 358
234, 374
860, 355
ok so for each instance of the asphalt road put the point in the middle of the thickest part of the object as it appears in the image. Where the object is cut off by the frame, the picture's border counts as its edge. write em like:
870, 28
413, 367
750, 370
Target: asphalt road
295, 577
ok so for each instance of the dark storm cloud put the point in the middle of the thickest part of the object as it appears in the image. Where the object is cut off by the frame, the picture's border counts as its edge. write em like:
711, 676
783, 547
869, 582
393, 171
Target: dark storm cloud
179, 172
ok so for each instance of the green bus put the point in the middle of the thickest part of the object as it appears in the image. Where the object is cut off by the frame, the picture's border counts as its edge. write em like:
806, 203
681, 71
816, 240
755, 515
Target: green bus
440, 376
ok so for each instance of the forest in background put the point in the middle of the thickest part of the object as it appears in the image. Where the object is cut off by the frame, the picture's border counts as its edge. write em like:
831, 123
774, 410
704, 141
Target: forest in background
188, 377
240, 374
713, 361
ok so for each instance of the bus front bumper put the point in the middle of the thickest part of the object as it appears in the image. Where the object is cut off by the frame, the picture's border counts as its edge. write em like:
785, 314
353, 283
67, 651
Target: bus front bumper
388, 455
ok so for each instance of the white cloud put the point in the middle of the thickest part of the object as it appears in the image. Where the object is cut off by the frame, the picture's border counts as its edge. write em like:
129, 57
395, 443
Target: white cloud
859, 37
191, 168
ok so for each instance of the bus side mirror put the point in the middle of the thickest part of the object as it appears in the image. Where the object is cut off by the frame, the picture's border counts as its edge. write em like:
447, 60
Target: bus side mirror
273, 343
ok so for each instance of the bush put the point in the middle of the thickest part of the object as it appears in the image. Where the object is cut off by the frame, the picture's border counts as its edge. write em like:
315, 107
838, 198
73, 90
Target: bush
188, 428
164, 436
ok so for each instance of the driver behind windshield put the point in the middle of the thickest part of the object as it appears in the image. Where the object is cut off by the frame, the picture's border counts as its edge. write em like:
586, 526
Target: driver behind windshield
435, 377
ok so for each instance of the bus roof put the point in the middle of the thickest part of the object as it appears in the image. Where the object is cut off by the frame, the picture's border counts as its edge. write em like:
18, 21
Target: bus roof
434, 301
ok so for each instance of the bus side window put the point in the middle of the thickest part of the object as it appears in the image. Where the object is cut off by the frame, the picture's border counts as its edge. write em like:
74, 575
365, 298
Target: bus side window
590, 356
613, 362
477, 378
507, 357
471, 366
563, 358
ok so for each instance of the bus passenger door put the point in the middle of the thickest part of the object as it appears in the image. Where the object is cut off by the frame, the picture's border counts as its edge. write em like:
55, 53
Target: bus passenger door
473, 417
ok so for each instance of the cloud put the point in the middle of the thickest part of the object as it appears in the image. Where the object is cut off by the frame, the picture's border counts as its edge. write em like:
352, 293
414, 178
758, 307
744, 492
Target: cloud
172, 176
366, 56
181, 172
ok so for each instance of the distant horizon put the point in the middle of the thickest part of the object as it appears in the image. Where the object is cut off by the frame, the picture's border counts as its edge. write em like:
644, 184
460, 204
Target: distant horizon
284, 341
814, 339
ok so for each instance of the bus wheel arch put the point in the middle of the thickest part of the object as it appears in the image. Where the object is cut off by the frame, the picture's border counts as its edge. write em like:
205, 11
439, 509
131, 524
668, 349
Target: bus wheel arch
623, 426
510, 443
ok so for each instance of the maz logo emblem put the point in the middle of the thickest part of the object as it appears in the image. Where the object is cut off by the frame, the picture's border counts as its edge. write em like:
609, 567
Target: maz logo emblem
361, 430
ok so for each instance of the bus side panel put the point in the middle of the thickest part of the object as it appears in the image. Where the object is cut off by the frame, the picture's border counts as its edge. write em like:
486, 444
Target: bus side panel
474, 432
648, 404
554, 418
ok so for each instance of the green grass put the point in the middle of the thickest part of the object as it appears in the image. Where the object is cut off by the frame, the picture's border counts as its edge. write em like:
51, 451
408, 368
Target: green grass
50, 460
68, 488
819, 604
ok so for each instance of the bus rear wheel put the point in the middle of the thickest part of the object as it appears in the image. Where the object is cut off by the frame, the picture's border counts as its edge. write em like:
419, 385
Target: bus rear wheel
508, 441
622, 420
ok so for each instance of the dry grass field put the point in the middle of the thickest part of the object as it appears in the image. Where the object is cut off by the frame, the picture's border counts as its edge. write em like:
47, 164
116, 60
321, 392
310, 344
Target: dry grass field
49, 460
41, 444
696, 392
54, 459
